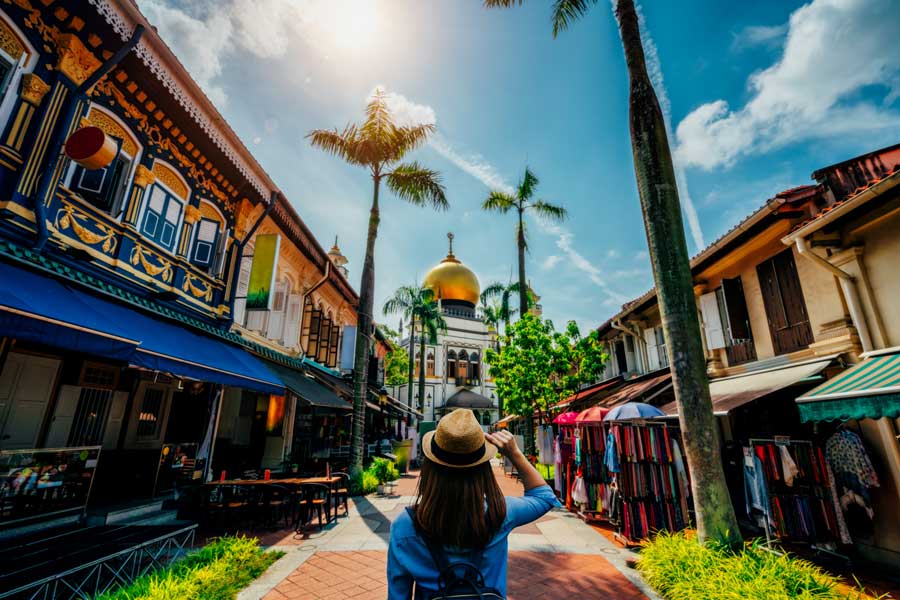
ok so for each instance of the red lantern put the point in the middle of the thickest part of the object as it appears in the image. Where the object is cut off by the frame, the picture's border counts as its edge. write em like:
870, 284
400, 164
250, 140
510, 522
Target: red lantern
91, 148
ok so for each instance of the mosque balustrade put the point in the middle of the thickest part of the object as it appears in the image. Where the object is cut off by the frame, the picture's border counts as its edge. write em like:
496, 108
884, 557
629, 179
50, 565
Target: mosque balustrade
119, 248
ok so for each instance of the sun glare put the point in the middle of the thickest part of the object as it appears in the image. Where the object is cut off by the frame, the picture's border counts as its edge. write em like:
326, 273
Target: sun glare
349, 25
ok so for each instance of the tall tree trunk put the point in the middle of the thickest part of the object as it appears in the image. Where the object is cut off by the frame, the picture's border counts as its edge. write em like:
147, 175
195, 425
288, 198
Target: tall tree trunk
523, 288
422, 371
363, 339
674, 285
412, 338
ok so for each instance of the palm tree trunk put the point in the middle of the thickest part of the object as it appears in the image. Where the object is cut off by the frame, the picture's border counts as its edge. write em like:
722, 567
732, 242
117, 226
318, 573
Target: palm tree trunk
363, 339
412, 337
671, 270
422, 371
523, 288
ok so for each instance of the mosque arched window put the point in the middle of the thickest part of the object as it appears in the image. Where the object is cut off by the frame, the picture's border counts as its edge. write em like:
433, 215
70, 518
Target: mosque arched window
462, 367
429, 364
451, 364
474, 368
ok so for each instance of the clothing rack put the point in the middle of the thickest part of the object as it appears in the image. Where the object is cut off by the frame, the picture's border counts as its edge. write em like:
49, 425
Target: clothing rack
651, 480
802, 509
597, 478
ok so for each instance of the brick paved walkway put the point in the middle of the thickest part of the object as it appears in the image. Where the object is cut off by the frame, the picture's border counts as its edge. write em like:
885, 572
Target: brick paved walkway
556, 557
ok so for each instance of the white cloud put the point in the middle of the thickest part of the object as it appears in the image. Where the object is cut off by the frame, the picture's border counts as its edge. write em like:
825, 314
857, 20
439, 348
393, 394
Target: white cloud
473, 164
199, 44
834, 49
551, 261
612, 253
759, 35
405, 111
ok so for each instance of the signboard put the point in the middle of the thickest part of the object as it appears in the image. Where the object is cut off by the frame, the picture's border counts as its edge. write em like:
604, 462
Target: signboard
38, 484
262, 271
178, 464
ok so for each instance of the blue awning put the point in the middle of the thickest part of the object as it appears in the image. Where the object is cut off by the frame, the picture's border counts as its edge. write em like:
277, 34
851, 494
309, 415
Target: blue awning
44, 310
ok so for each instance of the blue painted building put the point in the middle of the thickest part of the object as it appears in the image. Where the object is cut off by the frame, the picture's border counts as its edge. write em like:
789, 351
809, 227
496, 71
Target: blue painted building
119, 284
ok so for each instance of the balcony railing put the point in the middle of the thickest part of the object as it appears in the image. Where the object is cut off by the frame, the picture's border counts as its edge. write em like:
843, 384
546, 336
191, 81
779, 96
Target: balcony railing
131, 256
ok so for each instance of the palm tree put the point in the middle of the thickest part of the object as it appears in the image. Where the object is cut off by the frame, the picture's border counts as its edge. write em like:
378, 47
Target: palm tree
403, 301
504, 293
417, 304
661, 209
503, 202
378, 145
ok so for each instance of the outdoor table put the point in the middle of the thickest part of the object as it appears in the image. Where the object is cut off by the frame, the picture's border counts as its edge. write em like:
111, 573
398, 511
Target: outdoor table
329, 481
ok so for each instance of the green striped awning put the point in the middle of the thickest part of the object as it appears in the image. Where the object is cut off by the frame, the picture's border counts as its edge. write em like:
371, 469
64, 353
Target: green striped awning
869, 390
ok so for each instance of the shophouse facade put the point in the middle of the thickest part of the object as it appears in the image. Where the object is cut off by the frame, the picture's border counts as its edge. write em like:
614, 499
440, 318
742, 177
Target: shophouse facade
797, 295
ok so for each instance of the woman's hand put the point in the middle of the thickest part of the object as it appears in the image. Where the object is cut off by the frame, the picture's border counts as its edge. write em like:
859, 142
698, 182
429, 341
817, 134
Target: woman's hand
505, 442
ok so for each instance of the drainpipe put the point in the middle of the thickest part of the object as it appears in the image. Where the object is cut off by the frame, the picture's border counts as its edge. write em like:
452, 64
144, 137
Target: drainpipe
239, 249
80, 93
848, 286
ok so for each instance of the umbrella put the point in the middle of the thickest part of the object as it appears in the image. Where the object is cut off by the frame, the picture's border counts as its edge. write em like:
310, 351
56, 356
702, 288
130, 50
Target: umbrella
566, 418
633, 410
593, 414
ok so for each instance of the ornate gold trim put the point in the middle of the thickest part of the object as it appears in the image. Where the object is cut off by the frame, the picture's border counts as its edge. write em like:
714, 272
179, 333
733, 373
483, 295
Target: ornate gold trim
10, 42
143, 176
191, 214
67, 217
171, 179
199, 292
139, 256
33, 89
113, 128
75, 61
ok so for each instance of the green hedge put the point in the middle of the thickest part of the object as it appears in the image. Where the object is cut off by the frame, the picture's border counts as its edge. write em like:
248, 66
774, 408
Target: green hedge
680, 568
380, 470
218, 571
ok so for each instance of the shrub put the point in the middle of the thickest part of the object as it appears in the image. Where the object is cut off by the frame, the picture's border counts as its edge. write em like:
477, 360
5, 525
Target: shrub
384, 470
364, 483
218, 571
680, 568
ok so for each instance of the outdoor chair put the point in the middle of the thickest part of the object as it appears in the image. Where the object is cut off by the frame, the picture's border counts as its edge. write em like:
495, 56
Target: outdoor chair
227, 503
342, 492
275, 503
314, 499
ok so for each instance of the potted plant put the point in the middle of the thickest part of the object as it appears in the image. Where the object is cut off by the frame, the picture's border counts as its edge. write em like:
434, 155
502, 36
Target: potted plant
384, 470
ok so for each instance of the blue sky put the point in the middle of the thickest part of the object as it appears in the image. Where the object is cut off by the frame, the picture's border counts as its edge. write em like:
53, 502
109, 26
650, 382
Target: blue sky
758, 95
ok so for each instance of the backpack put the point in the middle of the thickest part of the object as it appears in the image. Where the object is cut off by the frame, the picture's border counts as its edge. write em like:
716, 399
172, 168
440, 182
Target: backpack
460, 580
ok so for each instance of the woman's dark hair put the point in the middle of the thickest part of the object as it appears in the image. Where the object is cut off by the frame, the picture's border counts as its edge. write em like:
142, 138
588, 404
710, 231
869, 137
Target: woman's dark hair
459, 507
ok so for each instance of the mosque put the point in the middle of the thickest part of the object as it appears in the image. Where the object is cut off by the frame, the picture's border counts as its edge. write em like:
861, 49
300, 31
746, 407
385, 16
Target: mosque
455, 373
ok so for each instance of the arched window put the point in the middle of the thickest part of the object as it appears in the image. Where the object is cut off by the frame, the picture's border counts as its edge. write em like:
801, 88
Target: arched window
209, 238
451, 364
429, 364
462, 367
17, 57
165, 206
416, 364
474, 368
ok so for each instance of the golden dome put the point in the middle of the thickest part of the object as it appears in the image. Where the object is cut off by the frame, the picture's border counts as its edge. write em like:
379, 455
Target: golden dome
452, 280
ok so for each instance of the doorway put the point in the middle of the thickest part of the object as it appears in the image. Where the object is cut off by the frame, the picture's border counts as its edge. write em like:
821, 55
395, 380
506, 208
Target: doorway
26, 385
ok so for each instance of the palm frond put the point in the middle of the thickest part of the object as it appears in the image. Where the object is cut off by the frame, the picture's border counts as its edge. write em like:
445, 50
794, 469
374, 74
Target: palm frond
498, 201
418, 185
550, 211
403, 300
408, 138
527, 185
566, 12
343, 144
378, 124
493, 290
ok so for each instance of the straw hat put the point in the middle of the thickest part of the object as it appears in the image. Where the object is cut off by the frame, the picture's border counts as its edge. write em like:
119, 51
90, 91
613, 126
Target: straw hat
458, 442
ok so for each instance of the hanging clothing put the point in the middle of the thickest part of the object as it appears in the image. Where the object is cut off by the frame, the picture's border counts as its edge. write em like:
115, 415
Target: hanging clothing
852, 468
788, 466
557, 467
756, 493
611, 457
843, 531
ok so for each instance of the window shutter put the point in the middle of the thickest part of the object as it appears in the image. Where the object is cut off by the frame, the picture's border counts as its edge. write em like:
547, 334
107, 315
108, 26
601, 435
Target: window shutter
114, 421
292, 326
315, 322
243, 286
256, 319
333, 345
219, 260
652, 353
324, 340
275, 330
712, 324
63, 416
736, 309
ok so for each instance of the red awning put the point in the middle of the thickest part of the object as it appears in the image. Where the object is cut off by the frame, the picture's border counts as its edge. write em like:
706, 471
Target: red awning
594, 414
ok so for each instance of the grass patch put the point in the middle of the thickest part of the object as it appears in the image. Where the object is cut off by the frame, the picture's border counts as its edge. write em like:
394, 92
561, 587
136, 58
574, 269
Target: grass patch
680, 568
218, 571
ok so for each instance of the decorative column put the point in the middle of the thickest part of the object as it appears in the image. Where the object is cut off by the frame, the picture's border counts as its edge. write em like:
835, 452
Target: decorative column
32, 92
143, 179
76, 63
191, 216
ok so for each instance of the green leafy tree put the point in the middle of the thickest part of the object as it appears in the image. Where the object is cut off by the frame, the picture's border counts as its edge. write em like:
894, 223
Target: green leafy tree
661, 210
396, 365
537, 366
522, 201
379, 146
